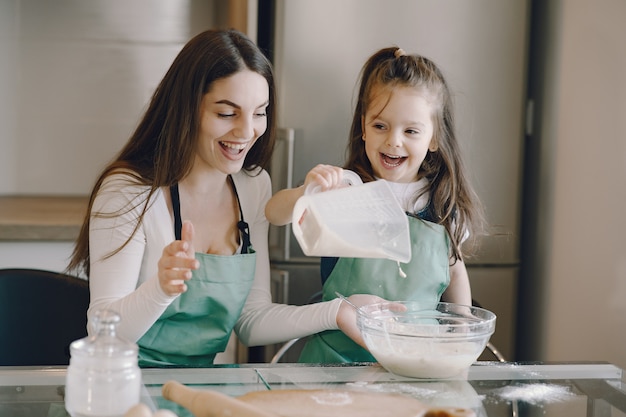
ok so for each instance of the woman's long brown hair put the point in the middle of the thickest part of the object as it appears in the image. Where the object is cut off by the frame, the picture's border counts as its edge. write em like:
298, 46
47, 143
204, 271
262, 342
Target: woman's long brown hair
160, 151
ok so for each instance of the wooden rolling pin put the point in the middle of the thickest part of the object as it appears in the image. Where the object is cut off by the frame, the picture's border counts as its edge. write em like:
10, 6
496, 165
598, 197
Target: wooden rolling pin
210, 403
304, 403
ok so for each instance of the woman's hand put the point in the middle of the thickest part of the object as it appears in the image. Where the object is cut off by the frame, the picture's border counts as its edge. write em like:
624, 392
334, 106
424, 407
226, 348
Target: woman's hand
177, 262
346, 317
326, 177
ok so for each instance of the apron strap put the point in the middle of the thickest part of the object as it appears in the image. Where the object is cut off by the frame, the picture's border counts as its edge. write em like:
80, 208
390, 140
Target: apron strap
243, 227
178, 222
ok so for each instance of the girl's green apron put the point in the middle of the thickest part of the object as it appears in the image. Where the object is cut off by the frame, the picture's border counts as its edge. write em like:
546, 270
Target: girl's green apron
198, 324
428, 275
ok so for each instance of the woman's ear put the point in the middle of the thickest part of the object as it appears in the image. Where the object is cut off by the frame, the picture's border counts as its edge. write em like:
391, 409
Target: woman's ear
433, 146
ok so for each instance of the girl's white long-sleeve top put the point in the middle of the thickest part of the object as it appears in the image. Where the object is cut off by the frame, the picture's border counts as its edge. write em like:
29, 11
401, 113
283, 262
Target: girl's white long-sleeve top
127, 281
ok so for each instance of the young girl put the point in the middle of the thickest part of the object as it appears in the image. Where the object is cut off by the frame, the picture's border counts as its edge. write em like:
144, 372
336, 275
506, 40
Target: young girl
181, 287
402, 132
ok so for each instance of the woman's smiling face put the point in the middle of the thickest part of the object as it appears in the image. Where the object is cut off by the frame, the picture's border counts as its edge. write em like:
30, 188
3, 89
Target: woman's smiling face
398, 131
232, 117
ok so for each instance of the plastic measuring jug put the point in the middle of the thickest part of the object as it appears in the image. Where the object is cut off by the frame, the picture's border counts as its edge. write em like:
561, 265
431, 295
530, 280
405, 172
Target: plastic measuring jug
361, 221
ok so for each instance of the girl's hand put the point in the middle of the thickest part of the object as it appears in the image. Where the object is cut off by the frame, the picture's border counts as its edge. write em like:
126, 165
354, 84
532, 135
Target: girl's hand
346, 317
326, 177
177, 262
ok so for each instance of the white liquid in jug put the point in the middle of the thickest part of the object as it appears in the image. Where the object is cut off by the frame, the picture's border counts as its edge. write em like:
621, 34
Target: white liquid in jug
362, 221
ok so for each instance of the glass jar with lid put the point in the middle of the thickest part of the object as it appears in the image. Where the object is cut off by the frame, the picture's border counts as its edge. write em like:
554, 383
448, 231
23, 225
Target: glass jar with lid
103, 377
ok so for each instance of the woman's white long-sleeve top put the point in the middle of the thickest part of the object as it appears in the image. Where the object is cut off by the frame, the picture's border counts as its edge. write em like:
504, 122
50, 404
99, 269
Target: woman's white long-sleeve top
127, 281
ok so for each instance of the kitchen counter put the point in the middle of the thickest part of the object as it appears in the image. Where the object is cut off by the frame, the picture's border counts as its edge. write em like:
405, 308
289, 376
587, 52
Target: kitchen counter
41, 218
490, 388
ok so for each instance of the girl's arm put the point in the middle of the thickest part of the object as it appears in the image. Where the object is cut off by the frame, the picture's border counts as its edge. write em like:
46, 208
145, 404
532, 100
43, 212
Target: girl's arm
279, 208
459, 290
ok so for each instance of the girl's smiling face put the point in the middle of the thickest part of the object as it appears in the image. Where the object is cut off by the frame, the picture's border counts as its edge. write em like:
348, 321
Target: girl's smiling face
398, 132
232, 117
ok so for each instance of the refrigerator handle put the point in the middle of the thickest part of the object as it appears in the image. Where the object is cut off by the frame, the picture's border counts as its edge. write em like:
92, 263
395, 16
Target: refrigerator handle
281, 172
279, 279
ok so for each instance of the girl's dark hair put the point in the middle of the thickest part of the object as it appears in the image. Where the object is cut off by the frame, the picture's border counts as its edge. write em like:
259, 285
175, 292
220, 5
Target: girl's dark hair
160, 152
453, 202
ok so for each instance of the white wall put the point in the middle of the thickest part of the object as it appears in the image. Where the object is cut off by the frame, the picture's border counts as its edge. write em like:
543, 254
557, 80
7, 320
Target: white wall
50, 255
75, 77
586, 287
8, 93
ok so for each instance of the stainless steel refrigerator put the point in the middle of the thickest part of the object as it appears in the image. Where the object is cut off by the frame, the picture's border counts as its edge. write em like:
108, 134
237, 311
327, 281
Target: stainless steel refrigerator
318, 48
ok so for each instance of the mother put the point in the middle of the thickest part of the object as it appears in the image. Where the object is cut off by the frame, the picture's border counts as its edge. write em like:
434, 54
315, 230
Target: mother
197, 154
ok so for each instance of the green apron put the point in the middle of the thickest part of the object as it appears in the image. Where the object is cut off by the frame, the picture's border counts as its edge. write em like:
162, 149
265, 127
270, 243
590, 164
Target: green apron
428, 275
197, 325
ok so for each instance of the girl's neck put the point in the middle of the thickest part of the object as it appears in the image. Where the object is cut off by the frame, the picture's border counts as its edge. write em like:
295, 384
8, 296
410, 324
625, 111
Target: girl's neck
407, 194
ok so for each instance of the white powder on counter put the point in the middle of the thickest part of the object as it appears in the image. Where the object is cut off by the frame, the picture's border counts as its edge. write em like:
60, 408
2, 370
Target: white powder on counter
449, 393
415, 390
536, 393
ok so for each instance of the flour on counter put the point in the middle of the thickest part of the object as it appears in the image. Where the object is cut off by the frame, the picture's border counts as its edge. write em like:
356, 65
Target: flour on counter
535, 393
415, 390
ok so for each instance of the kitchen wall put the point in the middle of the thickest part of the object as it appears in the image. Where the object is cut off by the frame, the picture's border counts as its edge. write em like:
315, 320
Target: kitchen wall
573, 281
75, 77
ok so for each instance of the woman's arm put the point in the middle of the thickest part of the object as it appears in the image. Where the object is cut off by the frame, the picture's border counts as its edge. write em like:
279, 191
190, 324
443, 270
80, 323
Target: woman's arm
263, 322
127, 281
